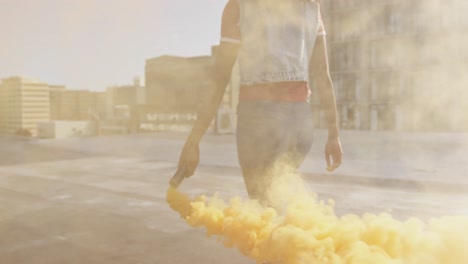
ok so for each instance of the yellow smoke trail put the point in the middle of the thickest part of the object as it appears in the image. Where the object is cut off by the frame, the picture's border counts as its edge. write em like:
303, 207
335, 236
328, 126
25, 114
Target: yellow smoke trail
308, 231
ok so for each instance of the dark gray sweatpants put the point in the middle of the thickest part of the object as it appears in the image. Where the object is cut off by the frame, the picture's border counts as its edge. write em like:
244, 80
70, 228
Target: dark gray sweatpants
268, 133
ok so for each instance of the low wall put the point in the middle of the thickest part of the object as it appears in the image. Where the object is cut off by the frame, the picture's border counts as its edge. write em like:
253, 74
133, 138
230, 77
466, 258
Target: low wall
66, 129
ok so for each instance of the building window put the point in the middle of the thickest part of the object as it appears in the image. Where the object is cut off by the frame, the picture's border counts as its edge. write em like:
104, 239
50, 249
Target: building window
385, 87
346, 86
345, 57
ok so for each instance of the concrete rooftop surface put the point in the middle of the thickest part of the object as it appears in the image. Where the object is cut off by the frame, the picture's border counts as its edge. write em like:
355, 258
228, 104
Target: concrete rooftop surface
102, 200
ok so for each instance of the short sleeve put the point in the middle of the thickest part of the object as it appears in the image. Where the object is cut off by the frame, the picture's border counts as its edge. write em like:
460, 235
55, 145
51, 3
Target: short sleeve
320, 27
230, 23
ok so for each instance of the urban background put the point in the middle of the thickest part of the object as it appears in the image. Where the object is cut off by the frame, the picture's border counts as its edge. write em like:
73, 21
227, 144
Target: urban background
396, 65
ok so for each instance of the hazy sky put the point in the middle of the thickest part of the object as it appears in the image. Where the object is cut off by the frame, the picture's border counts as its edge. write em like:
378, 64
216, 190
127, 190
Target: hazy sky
93, 44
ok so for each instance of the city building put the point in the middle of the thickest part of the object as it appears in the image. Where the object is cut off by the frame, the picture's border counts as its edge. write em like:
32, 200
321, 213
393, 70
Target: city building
73, 104
176, 88
3, 103
121, 99
23, 104
398, 65
181, 85
178, 84
26, 103
55, 93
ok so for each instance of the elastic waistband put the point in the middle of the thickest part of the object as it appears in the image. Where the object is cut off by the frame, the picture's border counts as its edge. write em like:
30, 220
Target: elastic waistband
282, 91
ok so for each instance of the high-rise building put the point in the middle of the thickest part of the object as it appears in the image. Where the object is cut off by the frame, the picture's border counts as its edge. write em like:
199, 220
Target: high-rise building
75, 104
86, 104
181, 85
101, 99
55, 96
178, 84
3, 102
398, 64
23, 104
69, 105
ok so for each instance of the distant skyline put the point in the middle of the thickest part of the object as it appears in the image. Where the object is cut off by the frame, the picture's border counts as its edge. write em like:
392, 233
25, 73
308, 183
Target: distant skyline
94, 44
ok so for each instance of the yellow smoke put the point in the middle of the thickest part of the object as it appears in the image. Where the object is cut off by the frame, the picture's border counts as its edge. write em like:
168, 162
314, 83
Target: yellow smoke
303, 229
